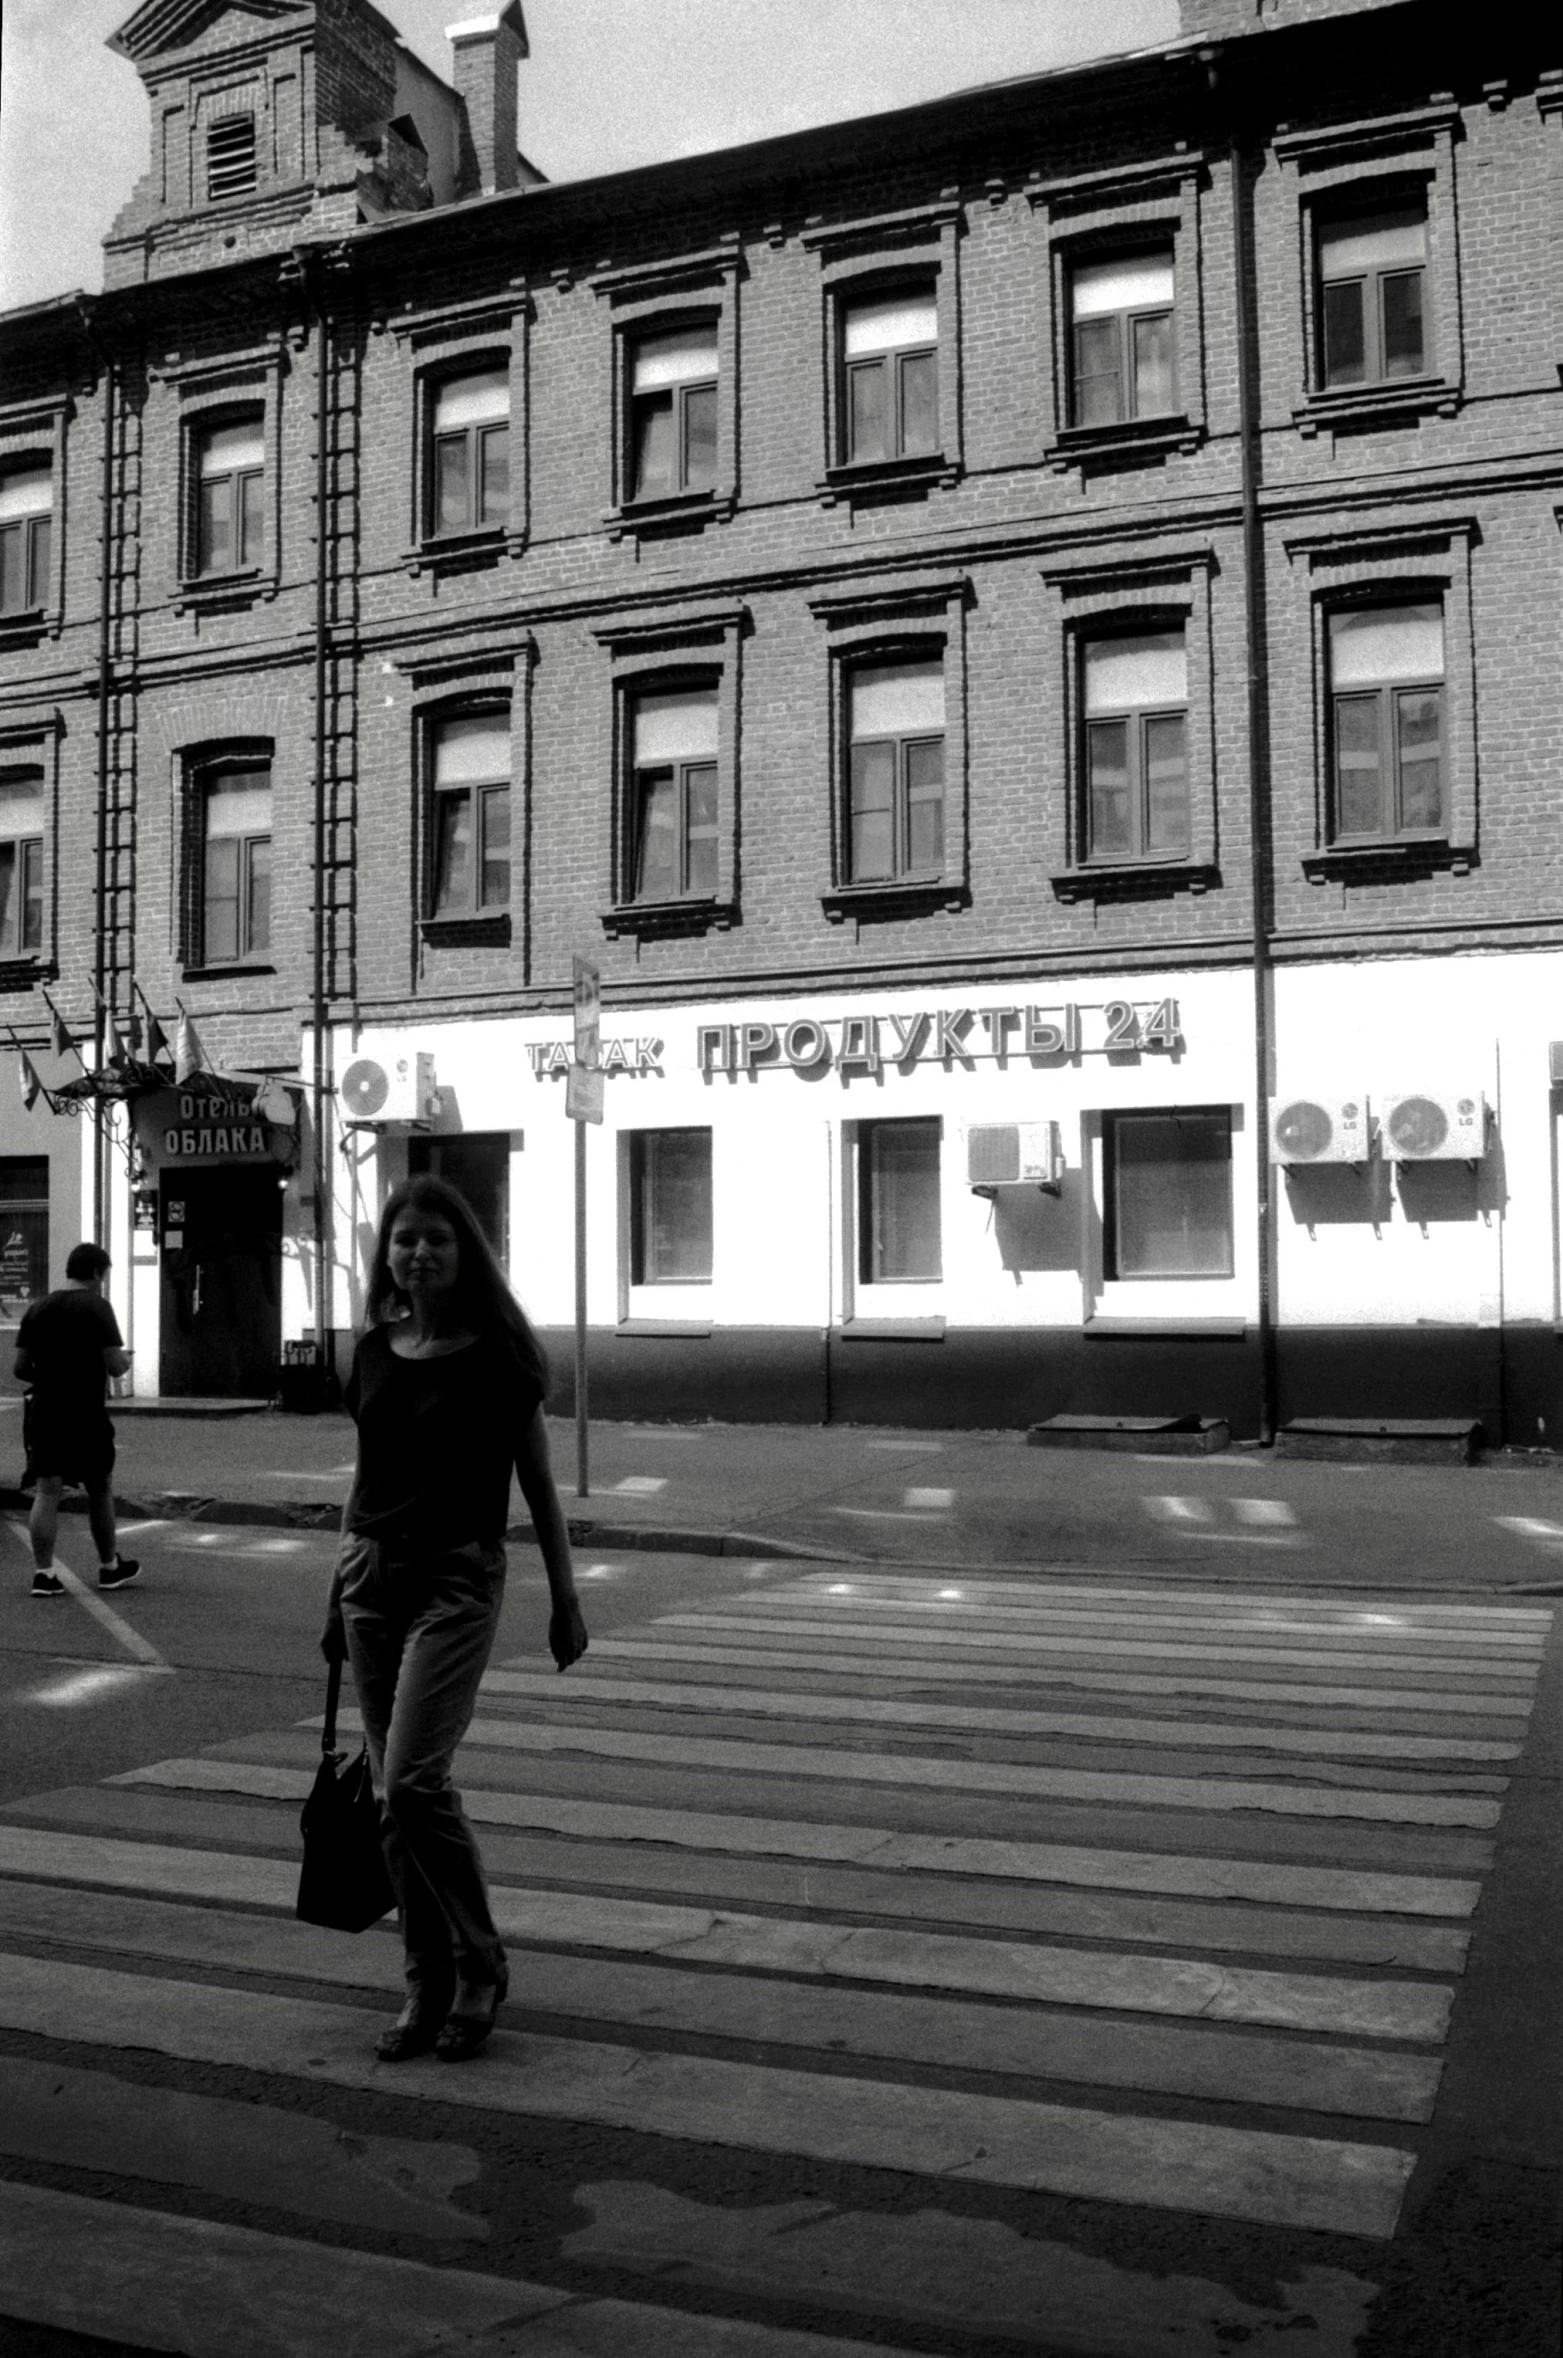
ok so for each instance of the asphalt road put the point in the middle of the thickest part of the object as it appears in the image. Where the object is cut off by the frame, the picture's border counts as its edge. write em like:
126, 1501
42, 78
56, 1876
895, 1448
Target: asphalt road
1133, 1965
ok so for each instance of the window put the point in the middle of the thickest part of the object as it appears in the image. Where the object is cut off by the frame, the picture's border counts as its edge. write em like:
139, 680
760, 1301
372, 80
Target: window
1372, 296
236, 864
26, 527
477, 1164
890, 366
469, 473
670, 1207
21, 862
673, 412
1168, 1194
1135, 696
24, 1231
470, 819
230, 481
1387, 709
230, 157
896, 771
1122, 340
673, 796
898, 1203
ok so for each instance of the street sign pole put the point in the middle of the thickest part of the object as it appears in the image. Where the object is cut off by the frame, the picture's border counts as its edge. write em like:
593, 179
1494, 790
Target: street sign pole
583, 1103
582, 1472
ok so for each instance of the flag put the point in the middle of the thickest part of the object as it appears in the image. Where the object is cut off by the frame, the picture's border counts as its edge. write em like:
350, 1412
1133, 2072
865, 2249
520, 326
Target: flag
113, 1045
133, 1031
189, 1055
32, 1087
61, 1041
155, 1037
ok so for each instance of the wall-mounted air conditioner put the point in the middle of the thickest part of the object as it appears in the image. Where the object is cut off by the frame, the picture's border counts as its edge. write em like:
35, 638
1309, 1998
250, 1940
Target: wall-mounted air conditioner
1013, 1154
1434, 1126
1308, 1130
401, 1089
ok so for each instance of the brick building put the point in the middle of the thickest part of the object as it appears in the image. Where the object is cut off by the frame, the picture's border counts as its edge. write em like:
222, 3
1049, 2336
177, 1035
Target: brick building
1021, 634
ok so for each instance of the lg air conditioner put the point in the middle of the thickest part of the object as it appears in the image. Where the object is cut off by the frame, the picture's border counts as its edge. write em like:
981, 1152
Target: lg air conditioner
1434, 1126
1309, 1130
1013, 1154
399, 1090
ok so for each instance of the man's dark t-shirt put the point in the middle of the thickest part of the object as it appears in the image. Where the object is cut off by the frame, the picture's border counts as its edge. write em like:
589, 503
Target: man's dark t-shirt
437, 1439
69, 1430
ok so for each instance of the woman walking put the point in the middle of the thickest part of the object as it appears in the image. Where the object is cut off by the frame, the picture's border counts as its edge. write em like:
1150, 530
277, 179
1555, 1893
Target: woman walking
446, 1391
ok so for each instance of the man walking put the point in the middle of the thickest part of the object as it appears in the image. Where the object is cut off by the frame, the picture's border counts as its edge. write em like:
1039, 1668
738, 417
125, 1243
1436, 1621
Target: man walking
67, 1347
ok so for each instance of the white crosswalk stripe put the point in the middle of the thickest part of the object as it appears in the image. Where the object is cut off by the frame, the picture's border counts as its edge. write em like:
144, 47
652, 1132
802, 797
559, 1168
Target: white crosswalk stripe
1050, 1889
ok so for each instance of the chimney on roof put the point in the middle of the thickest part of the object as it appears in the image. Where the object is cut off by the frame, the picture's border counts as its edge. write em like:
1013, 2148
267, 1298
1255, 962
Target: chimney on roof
488, 50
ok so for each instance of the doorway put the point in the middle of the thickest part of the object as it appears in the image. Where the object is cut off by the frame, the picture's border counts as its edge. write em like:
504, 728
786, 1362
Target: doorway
221, 1323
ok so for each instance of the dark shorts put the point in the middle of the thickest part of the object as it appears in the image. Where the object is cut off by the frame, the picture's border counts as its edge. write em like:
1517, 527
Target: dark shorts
69, 1444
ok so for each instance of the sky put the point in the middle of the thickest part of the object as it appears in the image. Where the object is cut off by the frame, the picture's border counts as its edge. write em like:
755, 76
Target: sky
610, 83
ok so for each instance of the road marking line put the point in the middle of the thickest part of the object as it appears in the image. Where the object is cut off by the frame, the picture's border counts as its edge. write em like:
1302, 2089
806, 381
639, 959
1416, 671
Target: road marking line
924, 1495
1263, 1510
118, 1628
1179, 1510
1274, 1621
641, 1485
92, 1685
1030, 1590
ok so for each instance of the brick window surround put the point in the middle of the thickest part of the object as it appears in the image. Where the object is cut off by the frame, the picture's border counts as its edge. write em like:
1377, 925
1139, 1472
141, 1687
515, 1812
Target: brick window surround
464, 685
680, 297
242, 388
32, 439
690, 650
915, 254
30, 750
200, 768
464, 340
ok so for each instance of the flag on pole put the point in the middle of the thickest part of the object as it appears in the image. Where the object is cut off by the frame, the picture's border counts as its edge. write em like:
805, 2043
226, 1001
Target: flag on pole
60, 1040
154, 1038
189, 1055
113, 1045
32, 1087
133, 1031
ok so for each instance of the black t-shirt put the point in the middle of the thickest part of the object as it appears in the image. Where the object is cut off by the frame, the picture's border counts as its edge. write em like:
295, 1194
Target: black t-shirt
437, 1439
65, 1336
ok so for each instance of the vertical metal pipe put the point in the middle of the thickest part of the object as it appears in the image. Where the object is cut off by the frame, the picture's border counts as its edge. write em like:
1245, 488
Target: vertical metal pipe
100, 971
582, 1471
318, 976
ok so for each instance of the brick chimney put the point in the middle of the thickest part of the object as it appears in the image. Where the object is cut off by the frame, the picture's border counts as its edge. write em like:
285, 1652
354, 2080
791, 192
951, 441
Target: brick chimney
488, 50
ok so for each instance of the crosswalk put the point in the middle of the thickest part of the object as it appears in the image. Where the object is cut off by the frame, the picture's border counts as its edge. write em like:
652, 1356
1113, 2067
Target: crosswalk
870, 1931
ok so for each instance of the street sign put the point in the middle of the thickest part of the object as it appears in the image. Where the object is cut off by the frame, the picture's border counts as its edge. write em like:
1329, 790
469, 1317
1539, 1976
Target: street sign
588, 1018
583, 1093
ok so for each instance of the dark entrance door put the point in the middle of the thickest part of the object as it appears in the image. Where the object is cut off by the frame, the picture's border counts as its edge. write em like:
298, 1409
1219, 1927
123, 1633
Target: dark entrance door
222, 1293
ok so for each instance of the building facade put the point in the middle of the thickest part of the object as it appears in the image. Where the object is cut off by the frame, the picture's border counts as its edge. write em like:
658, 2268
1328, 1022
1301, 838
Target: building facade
1020, 636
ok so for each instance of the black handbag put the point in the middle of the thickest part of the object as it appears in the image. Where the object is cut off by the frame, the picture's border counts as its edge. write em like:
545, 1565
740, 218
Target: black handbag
343, 1882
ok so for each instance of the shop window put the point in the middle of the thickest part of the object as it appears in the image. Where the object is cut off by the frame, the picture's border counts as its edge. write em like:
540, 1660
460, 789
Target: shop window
899, 1235
670, 1207
230, 480
1387, 722
230, 157
1122, 354
895, 812
477, 1164
469, 453
1372, 269
1136, 774
26, 530
890, 376
24, 1232
469, 819
235, 817
673, 795
21, 862
673, 412
1168, 1194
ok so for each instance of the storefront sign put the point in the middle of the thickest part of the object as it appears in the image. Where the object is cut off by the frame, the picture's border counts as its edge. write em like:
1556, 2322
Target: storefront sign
618, 1056
205, 1125
960, 1036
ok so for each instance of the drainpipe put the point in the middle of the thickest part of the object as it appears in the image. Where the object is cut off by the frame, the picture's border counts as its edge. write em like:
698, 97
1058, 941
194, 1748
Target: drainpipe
100, 1138
318, 979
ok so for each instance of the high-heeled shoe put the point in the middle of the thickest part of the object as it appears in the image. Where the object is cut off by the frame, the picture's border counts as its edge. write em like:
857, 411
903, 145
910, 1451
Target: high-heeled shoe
417, 2028
471, 2018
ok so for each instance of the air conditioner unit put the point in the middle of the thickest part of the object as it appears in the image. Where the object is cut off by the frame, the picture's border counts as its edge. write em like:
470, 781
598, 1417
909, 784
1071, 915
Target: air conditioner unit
1307, 1130
1013, 1154
399, 1090
1555, 1063
1434, 1126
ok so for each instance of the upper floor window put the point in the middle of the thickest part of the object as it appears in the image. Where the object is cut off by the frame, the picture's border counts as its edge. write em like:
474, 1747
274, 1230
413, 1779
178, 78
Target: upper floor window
673, 796
230, 157
235, 820
1136, 776
230, 496
1372, 296
896, 771
21, 862
898, 1225
670, 1207
890, 370
673, 412
1121, 339
469, 474
26, 526
1387, 721
470, 818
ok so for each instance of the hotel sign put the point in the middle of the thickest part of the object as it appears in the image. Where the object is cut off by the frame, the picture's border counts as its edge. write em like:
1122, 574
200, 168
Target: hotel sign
206, 1124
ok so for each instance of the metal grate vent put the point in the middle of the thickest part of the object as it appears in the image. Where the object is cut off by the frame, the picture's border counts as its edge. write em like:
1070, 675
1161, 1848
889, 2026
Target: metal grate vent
230, 157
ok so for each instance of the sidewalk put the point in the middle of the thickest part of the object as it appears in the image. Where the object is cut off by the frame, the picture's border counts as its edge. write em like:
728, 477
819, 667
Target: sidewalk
968, 1501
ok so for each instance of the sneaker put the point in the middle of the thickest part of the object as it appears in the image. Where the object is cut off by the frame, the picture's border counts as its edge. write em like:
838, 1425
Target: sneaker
120, 1573
48, 1584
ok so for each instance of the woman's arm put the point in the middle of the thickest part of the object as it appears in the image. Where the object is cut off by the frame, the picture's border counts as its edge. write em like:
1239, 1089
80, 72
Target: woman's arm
534, 1471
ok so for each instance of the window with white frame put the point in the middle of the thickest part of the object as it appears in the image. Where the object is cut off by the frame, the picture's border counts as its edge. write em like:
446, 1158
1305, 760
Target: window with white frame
890, 375
21, 861
1387, 721
230, 479
899, 1230
1372, 267
469, 452
1122, 348
670, 1207
672, 800
1167, 1186
234, 814
1135, 771
26, 529
469, 819
672, 411
895, 780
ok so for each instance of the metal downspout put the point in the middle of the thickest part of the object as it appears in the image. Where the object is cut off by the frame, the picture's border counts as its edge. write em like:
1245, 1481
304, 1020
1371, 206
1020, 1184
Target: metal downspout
318, 978
100, 976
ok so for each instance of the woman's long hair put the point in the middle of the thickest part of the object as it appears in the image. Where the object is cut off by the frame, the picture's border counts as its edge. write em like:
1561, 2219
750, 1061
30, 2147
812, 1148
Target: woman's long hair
482, 1300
